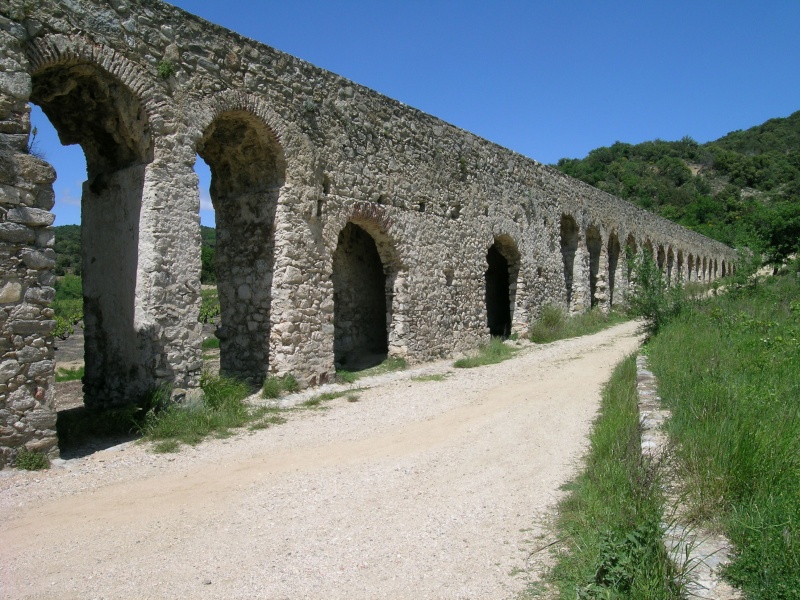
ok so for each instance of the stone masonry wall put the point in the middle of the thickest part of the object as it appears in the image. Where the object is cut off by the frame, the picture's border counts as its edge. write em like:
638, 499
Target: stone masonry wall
296, 154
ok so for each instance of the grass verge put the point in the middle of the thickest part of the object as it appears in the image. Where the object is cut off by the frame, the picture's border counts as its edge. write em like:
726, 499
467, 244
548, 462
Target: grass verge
554, 324
69, 374
729, 370
610, 522
488, 354
392, 363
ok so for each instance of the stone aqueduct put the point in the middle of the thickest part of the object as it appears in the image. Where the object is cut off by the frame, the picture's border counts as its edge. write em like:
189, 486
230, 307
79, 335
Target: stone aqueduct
347, 222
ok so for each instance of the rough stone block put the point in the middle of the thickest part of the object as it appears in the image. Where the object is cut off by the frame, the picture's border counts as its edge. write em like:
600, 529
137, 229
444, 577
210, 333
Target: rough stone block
15, 233
32, 327
10, 292
33, 217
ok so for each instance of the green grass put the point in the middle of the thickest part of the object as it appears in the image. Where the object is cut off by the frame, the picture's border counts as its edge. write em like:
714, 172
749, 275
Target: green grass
69, 374
488, 354
210, 343
729, 370
275, 387
392, 363
554, 324
609, 523
32, 460
432, 377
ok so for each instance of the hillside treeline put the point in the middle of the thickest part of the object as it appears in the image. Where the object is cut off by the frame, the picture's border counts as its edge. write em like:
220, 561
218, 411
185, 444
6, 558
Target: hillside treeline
742, 189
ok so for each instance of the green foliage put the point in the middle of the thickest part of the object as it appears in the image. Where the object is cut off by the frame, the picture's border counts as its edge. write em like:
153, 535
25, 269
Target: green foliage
68, 249
165, 69
650, 297
611, 519
67, 305
554, 324
69, 374
432, 377
209, 305
346, 376
729, 370
743, 189
32, 460
210, 343
274, 387
488, 354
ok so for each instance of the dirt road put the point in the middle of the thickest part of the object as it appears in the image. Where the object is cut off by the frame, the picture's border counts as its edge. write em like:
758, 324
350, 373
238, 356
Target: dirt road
421, 489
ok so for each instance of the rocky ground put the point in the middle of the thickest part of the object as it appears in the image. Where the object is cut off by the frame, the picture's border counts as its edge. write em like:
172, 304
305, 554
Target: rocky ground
420, 489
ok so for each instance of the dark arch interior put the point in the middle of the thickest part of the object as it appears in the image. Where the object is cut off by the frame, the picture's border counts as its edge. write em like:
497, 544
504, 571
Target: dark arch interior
569, 245
613, 261
498, 296
360, 314
670, 264
630, 255
247, 171
90, 107
594, 244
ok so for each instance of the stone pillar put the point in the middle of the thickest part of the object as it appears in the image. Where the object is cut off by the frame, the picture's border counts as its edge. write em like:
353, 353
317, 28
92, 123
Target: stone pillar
602, 293
27, 413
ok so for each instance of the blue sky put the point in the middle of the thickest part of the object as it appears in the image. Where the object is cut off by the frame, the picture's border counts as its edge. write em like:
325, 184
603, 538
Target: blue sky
546, 79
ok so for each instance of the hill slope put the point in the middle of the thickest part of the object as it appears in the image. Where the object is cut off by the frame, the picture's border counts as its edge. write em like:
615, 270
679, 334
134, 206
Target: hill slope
742, 189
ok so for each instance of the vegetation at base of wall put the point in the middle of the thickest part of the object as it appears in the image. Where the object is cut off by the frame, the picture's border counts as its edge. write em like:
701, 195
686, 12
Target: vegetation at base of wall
488, 354
742, 189
275, 387
554, 324
390, 364
211, 343
609, 523
729, 370
69, 374
67, 305
32, 460
209, 305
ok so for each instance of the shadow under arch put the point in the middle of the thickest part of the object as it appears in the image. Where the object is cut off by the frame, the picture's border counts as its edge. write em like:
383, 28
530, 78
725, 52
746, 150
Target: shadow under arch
569, 246
96, 109
364, 270
502, 272
248, 170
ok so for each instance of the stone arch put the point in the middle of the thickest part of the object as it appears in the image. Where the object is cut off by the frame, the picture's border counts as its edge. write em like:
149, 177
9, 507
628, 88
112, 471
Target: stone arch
570, 237
724, 272
248, 170
716, 267
704, 269
594, 245
297, 152
613, 263
661, 258
97, 99
630, 254
647, 248
690, 268
680, 265
365, 266
502, 272
670, 264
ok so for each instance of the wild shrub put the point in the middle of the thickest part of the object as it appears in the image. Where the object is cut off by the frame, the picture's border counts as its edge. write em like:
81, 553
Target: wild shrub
32, 460
651, 297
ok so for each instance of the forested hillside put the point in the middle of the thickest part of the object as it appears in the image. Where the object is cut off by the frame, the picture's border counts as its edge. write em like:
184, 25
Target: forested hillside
742, 189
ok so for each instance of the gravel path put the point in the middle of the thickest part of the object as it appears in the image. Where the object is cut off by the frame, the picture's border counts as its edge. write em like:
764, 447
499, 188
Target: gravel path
421, 489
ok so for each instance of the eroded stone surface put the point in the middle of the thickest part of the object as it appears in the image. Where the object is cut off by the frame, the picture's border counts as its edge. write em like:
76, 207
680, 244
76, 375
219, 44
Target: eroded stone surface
296, 154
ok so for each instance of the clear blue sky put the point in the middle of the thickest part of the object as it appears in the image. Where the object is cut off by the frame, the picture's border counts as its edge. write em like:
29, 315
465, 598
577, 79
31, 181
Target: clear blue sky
547, 79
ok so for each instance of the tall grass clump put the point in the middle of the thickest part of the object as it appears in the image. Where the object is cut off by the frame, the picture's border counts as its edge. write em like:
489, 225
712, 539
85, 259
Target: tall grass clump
488, 354
223, 408
729, 370
650, 296
610, 522
554, 324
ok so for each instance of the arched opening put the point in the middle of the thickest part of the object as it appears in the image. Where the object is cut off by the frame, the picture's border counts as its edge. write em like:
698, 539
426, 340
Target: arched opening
248, 169
594, 244
630, 255
661, 258
648, 250
724, 272
670, 265
690, 268
613, 261
704, 269
680, 265
716, 267
92, 108
362, 305
501, 285
569, 246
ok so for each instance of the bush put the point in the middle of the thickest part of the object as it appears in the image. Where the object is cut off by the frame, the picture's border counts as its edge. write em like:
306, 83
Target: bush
651, 297
488, 354
32, 460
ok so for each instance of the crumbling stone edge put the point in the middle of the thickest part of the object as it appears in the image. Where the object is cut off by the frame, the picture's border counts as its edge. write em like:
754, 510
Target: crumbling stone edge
702, 554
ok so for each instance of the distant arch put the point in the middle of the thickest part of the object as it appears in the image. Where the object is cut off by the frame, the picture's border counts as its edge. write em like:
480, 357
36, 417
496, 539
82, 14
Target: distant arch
594, 245
570, 236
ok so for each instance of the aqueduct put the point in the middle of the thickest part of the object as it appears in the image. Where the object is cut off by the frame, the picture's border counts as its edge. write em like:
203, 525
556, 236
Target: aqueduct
347, 223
